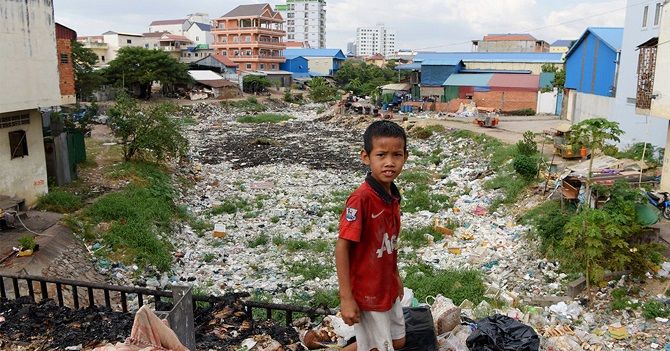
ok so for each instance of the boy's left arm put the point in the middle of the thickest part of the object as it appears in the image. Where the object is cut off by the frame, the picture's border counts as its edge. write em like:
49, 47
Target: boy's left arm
401, 290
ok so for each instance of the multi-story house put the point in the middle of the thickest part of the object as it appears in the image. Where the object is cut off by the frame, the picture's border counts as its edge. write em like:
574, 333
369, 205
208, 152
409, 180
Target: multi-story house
252, 36
375, 40
305, 21
30, 71
64, 38
196, 27
653, 82
561, 46
174, 26
510, 43
107, 45
96, 43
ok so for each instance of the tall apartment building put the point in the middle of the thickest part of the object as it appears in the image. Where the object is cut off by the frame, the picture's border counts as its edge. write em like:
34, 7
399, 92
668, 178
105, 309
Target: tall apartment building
252, 36
305, 21
375, 40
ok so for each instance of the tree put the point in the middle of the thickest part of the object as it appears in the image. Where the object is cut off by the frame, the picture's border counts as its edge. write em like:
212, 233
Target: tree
253, 84
559, 76
363, 79
86, 80
137, 68
593, 134
150, 130
321, 91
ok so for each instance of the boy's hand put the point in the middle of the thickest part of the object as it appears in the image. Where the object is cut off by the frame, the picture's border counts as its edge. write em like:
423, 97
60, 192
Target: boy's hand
401, 289
350, 312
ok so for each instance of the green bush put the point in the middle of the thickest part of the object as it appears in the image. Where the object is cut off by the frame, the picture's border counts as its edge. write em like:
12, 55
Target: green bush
523, 112
255, 84
27, 242
250, 105
654, 309
527, 146
321, 91
548, 221
526, 166
58, 200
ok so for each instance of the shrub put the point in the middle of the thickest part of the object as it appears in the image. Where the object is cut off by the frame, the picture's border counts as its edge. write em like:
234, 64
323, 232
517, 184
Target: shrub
522, 112
321, 91
526, 165
527, 146
255, 84
250, 105
58, 200
548, 221
427, 131
654, 309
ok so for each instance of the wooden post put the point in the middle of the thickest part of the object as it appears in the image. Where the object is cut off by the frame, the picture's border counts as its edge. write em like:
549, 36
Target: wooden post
181, 316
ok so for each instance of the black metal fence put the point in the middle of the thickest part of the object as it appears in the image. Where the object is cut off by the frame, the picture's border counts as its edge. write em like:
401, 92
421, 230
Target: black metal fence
123, 292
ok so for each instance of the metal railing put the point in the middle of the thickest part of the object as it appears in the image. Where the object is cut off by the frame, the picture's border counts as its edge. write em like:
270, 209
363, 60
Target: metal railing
123, 292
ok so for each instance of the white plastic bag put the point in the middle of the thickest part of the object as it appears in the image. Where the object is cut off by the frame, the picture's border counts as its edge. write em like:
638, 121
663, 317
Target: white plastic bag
408, 296
446, 315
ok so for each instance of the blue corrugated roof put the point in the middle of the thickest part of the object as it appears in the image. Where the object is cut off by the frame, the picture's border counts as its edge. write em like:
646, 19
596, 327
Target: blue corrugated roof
530, 57
408, 67
562, 43
335, 53
204, 27
612, 37
469, 80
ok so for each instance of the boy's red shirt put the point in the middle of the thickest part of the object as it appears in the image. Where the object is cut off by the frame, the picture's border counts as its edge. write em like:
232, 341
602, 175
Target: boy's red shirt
371, 221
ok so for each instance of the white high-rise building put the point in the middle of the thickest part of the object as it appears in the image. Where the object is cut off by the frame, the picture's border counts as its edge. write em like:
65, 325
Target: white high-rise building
375, 40
305, 21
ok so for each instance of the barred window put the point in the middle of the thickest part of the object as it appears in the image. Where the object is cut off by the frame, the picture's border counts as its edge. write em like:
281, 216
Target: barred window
12, 121
18, 146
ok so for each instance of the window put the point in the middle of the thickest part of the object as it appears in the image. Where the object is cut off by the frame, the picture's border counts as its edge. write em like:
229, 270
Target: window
306, 6
18, 146
657, 14
224, 53
248, 66
262, 66
645, 14
631, 100
63, 58
291, 36
247, 39
197, 38
102, 58
16, 120
129, 41
274, 66
248, 53
236, 39
146, 46
290, 15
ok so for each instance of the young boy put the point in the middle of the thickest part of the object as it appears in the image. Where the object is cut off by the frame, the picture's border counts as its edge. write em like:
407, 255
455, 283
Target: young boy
366, 250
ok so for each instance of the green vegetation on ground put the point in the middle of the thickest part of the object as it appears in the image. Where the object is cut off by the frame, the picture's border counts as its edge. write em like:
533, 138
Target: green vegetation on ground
264, 118
59, 200
457, 285
249, 105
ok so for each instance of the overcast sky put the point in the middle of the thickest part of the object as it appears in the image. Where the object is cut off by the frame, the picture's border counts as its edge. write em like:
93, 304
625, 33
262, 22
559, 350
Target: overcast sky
437, 25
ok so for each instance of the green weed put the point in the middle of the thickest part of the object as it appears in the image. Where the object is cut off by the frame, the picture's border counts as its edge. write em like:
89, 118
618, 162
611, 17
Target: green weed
311, 270
208, 257
230, 206
418, 237
58, 200
457, 285
251, 104
260, 240
654, 309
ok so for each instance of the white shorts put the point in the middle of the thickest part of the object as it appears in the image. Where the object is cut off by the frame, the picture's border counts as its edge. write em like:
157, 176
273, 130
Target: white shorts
377, 330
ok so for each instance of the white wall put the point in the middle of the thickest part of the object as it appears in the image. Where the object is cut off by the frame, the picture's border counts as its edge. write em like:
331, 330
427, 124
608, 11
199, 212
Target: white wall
25, 177
584, 106
637, 128
660, 107
546, 102
321, 65
28, 62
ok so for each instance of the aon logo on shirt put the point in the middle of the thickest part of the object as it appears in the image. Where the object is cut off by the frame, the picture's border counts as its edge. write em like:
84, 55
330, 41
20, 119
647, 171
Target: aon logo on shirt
388, 245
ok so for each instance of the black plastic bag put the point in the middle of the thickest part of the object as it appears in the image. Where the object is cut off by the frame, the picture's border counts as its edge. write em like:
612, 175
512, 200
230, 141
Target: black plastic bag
419, 329
502, 333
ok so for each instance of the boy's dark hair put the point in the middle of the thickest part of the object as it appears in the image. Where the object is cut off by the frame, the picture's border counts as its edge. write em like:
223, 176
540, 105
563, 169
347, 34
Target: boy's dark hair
383, 128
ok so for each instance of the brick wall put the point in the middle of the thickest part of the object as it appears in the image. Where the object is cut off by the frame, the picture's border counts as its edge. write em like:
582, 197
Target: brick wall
506, 101
65, 68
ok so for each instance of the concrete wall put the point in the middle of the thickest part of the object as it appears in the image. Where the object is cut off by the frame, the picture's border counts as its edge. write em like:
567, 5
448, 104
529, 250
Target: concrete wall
28, 60
546, 102
25, 177
535, 68
322, 65
583, 106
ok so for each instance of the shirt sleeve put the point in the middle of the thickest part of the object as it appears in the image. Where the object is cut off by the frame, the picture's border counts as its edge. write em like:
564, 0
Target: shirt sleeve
351, 220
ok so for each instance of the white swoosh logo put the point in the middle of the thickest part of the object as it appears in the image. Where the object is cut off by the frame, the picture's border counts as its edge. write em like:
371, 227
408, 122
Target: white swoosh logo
377, 215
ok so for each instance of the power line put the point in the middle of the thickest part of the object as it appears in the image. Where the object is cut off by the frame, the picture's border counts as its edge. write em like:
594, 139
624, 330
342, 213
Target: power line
545, 27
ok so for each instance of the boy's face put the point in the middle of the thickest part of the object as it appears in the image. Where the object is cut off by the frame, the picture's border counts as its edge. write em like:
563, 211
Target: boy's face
386, 159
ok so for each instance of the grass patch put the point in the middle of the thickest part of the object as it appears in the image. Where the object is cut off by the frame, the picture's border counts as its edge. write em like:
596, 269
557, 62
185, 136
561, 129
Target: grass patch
457, 285
208, 257
416, 176
260, 240
419, 198
264, 118
230, 206
251, 104
317, 245
139, 215
426, 131
654, 309
419, 237
311, 270
511, 186
58, 200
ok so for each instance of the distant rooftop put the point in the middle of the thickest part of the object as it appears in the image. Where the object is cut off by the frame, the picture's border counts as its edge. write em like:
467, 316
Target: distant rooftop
255, 10
509, 37
562, 43
307, 52
168, 22
526, 57
611, 36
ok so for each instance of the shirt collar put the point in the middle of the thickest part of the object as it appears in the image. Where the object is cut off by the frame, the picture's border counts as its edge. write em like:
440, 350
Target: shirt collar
381, 192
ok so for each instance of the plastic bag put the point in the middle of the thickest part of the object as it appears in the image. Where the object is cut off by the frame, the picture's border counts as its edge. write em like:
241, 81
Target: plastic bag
455, 339
501, 333
407, 297
419, 329
446, 315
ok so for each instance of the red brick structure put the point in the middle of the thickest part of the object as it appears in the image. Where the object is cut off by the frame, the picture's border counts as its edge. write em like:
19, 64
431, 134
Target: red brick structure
64, 38
251, 36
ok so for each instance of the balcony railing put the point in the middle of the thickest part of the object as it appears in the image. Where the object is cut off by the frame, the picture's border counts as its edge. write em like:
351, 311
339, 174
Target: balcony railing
249, 29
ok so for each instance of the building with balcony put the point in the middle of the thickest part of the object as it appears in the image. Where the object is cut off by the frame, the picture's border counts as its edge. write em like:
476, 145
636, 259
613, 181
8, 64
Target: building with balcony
305, 21
251, 36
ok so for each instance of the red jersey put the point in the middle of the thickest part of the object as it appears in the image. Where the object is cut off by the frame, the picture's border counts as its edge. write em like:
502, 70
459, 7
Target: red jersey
371, 221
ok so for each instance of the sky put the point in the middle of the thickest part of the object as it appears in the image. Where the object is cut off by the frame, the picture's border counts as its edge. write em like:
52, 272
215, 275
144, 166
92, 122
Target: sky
429, 25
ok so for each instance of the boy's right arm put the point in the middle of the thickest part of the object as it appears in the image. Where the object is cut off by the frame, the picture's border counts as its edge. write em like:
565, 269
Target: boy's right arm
348, 306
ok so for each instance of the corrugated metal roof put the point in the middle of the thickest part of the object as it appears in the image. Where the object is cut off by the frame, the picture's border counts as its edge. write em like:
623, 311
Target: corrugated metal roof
204, 75
562, 43
306, 52
524, 81
167, 22
509, 37
468, 80
525, 57
511, 71
612, 37
203, 26
546, 78
396, 86
248, 10
409, 67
